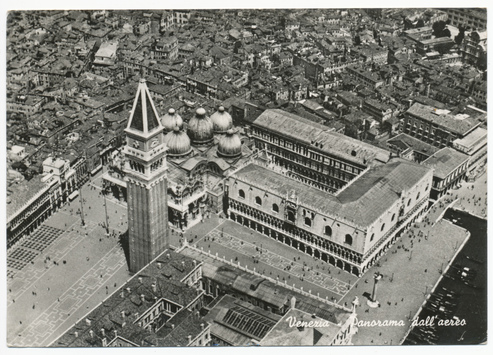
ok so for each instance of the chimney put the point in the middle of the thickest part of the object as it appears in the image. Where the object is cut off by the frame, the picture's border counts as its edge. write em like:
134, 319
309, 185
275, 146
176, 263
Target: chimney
183, 263
116, 333
142, 297
128, 289
122, 294
172, 326
123, 314
102, 332
76, 334
189, 339
104, 342
154, 288
202, 326
195, 263
88, 321
140, 279
168, 256
91, 333
159, 265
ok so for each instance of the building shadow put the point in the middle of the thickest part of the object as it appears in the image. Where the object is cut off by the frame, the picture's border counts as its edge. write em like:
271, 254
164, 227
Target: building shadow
123, 241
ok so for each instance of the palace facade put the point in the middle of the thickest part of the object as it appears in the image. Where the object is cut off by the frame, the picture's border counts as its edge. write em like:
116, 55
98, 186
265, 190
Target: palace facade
325, 194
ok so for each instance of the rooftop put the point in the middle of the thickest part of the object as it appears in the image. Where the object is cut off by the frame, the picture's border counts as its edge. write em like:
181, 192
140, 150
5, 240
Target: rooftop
238, 322
405, 140
445, 161
24, 192
320, 137
460, 124
476, 136
362, 202
121, 312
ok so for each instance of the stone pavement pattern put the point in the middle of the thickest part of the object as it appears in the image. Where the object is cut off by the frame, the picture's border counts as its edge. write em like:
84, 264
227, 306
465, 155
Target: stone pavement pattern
69, 276
268, 257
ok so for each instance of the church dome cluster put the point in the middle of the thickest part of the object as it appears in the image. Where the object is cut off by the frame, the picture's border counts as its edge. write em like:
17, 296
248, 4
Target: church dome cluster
171, 120
200, 128
229, 145
221, 120
177, 142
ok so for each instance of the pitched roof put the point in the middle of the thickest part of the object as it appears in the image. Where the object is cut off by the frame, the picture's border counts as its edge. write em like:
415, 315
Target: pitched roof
320, 137
445, 161
143, 117
406, 141
361, 203
460, 124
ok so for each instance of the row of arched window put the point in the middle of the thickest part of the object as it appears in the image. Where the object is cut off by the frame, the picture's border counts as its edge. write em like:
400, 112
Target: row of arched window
308, 221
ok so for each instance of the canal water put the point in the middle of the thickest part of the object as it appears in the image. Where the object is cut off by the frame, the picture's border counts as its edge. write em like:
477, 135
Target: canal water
461, 295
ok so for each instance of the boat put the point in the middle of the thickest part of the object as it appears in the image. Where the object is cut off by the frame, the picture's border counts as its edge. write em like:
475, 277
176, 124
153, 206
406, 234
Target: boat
449, 291
478, 287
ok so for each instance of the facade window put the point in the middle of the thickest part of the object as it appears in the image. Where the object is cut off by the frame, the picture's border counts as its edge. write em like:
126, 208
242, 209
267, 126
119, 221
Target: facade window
409, 203
372, 236
258, 200
291, 216
417, 196
328, 231
348, 239
275, 208
393, 217
241, 193
383, 227
308, 222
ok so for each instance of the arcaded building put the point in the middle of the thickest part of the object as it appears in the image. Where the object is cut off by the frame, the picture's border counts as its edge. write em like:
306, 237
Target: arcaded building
328, 195
350, 229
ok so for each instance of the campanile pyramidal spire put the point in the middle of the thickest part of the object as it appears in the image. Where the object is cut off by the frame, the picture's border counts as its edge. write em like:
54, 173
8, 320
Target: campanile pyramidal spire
145, 169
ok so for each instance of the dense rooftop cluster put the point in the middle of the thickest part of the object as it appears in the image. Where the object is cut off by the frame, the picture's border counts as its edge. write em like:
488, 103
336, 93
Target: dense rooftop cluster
71, 75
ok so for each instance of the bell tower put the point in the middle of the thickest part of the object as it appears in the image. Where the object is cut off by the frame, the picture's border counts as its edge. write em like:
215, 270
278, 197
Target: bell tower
145, 169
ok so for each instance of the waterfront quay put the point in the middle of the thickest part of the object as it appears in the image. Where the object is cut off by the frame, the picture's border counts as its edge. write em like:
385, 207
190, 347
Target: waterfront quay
410, 269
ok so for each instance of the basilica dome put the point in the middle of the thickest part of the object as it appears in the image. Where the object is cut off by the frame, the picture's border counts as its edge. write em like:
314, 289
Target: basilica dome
177, 142
229, 145
221, 120
200, 128
171, 120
